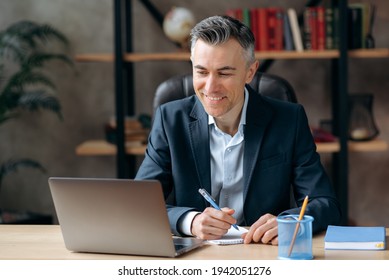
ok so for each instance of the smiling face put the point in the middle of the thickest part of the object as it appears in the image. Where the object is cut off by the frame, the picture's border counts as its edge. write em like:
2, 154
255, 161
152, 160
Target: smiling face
220, 73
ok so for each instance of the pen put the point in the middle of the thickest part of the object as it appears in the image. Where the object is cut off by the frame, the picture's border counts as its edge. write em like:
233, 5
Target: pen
210, 199
302, 211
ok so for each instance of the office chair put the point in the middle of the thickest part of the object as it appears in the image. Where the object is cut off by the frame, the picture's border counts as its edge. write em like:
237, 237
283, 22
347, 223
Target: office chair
265, 84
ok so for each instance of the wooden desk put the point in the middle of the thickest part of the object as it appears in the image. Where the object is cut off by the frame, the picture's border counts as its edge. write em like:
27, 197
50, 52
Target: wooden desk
44, 242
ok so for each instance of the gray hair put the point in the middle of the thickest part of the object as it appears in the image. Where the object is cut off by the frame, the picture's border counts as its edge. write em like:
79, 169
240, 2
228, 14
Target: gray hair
219, 29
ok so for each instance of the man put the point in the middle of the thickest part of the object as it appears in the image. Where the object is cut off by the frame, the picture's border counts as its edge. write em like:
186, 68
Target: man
245, 149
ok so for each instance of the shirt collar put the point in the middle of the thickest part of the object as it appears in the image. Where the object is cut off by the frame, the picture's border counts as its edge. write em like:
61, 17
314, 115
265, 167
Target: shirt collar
242, 121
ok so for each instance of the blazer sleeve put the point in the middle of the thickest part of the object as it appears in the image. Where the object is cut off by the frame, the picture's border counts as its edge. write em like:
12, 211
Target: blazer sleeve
310, 178
157, 166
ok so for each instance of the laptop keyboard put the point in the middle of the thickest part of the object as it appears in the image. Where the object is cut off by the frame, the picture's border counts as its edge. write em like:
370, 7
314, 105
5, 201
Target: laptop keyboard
179, 246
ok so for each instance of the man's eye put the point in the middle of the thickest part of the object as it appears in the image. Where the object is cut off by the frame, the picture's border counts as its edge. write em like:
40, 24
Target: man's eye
225, 74
202, 73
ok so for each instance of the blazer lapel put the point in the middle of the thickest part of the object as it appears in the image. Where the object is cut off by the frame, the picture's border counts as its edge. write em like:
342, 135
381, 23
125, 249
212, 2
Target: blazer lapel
199, 140
258, 117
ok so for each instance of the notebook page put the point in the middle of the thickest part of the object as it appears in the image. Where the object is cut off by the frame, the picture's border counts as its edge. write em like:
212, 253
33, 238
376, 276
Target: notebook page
233, 236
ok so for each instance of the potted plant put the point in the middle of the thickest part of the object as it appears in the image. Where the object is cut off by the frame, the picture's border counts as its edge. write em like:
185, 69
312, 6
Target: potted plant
23, 84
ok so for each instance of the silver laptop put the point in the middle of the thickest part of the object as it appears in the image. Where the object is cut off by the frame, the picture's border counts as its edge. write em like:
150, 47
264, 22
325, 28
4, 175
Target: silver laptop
115, 216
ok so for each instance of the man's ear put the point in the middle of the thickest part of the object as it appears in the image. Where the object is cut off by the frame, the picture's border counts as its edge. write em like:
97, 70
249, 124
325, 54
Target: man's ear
251, 71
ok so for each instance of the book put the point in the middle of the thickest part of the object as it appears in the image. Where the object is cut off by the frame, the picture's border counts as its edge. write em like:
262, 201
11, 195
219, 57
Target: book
306, 34
279, 30
246, 17
312, 22
321, 28
329, 25
354, 238
274, 28
233, 236
297, 39
263, 30
329, 28
271, 28
288, 37
355, 27
365, 11
254, 26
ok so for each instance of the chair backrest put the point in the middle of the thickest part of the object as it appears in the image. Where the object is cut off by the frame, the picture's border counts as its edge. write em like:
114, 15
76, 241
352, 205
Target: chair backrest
265, 84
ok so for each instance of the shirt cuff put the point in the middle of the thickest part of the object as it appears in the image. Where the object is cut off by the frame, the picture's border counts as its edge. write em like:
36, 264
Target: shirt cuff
185, 223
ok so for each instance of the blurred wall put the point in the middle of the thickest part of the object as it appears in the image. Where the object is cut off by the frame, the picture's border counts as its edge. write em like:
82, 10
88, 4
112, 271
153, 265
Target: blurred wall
87, 97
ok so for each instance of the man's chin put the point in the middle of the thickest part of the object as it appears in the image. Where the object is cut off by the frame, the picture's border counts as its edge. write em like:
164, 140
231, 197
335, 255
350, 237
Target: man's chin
215, 113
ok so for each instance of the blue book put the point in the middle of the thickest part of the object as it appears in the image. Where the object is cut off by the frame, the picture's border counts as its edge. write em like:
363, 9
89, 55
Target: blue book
354, 238
288, 38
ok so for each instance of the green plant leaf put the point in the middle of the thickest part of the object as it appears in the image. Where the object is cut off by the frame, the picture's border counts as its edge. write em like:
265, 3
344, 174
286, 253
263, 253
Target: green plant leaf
13, 165
24, 37
38, 59
28, 88
35, 100
23, 53
25, 77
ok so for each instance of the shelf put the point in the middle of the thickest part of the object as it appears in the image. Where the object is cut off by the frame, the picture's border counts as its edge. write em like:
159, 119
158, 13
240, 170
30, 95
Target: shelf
369, 53
376, 145
103, 148
185, 56
133, 57
138, 57
328, 147
325, 54
94, 57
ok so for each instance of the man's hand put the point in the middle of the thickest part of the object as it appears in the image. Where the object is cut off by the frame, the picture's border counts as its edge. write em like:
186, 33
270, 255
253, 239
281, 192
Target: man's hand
264, 230
212, 223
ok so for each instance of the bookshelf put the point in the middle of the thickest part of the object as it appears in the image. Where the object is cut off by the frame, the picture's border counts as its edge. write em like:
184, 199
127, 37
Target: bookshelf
184, 56
124, 60
100, 147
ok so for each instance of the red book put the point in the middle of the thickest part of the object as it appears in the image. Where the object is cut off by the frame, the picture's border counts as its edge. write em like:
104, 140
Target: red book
321, 28
271, 28
231, 13
239, 14
279, 30
262, 28
254, 26
275, 28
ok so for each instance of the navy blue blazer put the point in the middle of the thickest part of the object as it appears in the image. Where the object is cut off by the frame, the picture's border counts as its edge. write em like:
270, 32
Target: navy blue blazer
279, 153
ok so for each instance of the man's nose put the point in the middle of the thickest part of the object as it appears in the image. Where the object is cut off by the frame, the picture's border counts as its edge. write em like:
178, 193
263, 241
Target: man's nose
211, 84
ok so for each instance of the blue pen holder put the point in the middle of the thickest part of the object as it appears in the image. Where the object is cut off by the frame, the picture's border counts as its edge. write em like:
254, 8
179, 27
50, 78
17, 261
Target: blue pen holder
302, 246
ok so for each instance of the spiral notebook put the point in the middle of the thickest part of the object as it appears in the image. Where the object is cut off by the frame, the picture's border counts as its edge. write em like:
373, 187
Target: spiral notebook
233, 236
